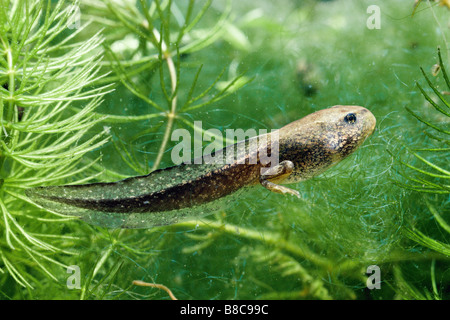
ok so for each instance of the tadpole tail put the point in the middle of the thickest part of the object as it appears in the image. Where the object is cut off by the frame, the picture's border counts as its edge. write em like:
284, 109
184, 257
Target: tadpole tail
161, 197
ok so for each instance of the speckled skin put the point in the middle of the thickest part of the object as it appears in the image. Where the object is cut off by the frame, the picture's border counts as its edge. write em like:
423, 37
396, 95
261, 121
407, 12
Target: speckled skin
307, 147
322, 139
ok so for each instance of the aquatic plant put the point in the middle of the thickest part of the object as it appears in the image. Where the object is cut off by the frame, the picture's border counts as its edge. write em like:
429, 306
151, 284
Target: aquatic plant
52, 84
229, 64
427, 174
44, 75
142, 42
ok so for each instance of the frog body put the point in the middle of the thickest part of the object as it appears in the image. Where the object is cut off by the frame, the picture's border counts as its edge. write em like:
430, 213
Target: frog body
303, 149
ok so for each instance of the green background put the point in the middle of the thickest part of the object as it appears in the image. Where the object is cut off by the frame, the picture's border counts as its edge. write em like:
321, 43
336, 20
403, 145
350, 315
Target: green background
269, 246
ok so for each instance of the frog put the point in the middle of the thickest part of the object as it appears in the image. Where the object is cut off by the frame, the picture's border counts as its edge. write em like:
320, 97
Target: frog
303, 149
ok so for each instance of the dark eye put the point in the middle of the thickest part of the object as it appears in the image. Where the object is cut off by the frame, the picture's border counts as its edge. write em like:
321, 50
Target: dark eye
350, 118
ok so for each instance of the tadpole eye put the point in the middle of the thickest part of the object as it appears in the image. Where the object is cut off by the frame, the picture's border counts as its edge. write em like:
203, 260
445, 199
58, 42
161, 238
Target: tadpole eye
350, 118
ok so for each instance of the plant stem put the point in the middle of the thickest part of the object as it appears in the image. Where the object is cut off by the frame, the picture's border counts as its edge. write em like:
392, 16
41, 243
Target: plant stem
99, 264
440, 28
10, 107
266, 237
155, 285
11, 85
173, 106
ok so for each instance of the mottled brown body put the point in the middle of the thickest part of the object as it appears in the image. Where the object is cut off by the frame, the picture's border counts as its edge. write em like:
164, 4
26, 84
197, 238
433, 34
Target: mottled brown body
306, 147
209, 187
322, 139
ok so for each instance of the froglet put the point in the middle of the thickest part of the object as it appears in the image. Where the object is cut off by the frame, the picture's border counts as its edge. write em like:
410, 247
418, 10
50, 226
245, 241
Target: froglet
306, 148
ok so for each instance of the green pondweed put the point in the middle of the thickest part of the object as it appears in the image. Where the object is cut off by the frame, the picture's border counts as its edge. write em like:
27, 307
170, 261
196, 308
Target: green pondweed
427, 173
159, 46
52, 84
44, 74
432, 179
230, 64
430, 174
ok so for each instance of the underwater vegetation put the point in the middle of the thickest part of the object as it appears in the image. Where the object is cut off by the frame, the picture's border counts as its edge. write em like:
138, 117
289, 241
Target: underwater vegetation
92, 91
